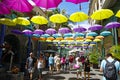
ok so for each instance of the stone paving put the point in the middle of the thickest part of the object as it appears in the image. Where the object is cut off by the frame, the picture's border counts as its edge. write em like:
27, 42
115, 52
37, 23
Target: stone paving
71, 75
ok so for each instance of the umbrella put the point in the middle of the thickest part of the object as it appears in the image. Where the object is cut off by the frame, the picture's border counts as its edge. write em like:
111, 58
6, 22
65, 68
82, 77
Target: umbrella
96, 40
95, 27
39, 20
79, 35
78, 17
7, 22
21, 21
64, 30
59, 38
99, 37
50, 31
112, 25
77, 1
4, 9
68, 35
38, 31
47, 3
36, 35
17, 31
27, 32
79, 29
57, 35
92, 34
58, 18
19, 5
79, 38
118, 14
45, 35
105, 33
102, 14
89, 37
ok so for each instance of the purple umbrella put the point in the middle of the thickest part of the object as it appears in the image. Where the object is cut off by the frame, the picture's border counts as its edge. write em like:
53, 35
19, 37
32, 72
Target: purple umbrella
27, 32
17, 31
50, 31
79, 29
112, 25
95, 27
64, 30
47, 3
18, 5
38, 31
4, 9
77, 1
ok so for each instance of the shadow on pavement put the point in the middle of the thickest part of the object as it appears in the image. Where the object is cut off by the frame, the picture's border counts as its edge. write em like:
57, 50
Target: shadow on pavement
54, 78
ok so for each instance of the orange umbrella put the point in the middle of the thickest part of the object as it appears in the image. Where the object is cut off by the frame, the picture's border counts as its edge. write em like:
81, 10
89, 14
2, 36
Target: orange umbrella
89, 37
59, 38
50, 38
99, 37
79, 38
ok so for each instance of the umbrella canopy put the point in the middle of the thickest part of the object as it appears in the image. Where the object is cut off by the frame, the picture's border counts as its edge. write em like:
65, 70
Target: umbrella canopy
45, 35
59, 38
21, 21
39, 20
19, 5
77, 1
96, 40
4, 9
58, 18
27, 32
118, 14
36, 35
57, 35
38, 31
17, 31
68, 35
79, 38
79, 35
50, 31
102, 14
89, 37
112, 25
47, 3
95, 27
64, 30
105, 33
7, 22
78, 17
99, 37
92, 34
79, 29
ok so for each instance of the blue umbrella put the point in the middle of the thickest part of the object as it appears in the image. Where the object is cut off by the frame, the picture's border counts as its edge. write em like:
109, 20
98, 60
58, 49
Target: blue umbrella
79, 35
45, 35
105, 33
68, 35
57, 35
92, 34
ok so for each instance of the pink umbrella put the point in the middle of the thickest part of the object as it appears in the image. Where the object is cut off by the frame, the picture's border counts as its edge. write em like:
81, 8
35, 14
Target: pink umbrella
18, 5
77, 1
4, 9
47, 3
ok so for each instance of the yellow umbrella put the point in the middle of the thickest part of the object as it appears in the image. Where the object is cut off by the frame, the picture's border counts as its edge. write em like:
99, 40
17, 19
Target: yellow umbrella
7, 22
88, 40
56, 40
39, 20
96, 40
102, 14
58, 18
50, 38
78, 17
79, 40
118, 14
21, 21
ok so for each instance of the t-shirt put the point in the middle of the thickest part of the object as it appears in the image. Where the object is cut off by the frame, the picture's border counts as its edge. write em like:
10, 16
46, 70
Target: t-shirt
30, 62
51, 60
117, 65
40, 64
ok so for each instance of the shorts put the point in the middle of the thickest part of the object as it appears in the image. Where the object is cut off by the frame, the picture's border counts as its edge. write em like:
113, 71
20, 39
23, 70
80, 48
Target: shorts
30, 70
40, 71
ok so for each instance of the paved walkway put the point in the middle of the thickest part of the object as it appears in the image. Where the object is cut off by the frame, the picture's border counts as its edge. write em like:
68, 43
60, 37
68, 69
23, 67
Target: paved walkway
71, 75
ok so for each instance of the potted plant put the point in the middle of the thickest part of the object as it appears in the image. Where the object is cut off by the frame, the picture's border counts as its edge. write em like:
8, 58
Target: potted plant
115, 50
94, 59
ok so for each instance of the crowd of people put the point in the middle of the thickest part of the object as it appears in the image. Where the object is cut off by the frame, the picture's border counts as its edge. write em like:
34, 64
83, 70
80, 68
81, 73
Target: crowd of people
58, 64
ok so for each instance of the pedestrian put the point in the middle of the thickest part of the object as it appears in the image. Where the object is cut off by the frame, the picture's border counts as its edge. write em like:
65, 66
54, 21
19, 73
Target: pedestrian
51, 63
110, 68
71, 59
79, 69
58, 63
30, 65
63, 60
40, 66
55, 58
87, 68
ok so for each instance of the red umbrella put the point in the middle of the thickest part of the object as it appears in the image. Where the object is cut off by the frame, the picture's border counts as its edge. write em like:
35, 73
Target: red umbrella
47, 3
18, 5
77, 1
4, 9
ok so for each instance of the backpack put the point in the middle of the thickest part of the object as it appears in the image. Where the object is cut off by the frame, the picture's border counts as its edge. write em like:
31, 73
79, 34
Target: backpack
110, 72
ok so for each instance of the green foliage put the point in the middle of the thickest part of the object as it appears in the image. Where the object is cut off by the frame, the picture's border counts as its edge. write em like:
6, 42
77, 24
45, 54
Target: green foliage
94, 57
115, 50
